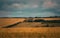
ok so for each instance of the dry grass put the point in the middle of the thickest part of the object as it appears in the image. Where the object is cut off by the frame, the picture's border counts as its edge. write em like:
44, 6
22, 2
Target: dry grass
27, 32
10, 21
43, 32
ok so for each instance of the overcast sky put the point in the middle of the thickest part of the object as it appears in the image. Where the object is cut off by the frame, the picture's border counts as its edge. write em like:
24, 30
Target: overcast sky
29, 8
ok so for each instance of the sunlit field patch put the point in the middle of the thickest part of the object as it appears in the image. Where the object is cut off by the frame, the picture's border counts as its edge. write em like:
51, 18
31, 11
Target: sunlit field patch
43, 32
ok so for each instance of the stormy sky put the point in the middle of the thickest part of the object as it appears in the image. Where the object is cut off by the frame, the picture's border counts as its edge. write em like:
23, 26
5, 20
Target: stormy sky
29, 8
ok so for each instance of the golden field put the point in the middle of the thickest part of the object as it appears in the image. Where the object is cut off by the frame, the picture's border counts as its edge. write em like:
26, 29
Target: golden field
10, 21
42, 32
28, 29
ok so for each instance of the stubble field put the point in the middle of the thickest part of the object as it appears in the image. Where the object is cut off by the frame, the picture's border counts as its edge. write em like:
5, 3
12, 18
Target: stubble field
43, 32
27, 32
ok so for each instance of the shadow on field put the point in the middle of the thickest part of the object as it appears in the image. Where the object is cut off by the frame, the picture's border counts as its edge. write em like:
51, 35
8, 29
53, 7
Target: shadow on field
44, 23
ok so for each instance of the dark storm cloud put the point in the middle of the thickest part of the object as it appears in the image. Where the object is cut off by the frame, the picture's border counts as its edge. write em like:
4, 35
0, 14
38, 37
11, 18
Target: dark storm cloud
21, 8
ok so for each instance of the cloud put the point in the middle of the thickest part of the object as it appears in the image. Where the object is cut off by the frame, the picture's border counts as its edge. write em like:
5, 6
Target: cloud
49, 4
26, 14
18, 6
43, 14
24, 4
29, 7
10, 14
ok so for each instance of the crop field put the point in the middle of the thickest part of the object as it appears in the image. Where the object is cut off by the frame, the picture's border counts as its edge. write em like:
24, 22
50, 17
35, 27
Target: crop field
18, 28
10, 21
42, 32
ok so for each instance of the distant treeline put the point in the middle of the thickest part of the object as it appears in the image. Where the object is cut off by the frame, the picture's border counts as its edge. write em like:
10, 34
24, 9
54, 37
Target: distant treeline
41, 20
33, 17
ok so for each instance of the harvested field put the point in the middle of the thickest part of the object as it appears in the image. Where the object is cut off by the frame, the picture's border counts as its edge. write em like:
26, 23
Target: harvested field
10, 21
43, 32
22, 29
